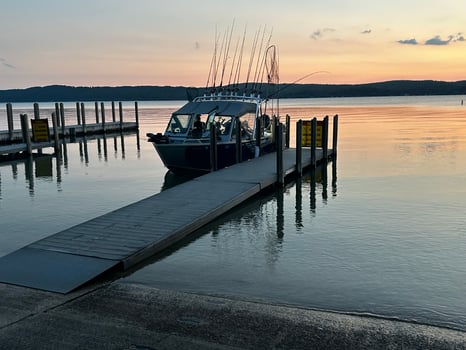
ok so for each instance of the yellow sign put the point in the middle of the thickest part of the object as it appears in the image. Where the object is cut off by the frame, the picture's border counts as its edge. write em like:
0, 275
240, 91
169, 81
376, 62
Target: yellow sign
307, 133
40, 130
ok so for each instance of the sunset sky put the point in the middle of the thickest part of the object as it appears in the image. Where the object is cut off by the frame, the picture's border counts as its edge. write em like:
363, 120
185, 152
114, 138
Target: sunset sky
171, 42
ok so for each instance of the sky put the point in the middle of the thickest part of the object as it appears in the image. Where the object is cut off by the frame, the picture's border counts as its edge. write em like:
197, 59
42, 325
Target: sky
172, 42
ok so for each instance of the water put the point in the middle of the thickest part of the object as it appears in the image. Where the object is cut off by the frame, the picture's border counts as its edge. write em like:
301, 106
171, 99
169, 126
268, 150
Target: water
385, 236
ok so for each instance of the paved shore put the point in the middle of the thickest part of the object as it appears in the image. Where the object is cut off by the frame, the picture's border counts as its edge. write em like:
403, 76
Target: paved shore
124, 316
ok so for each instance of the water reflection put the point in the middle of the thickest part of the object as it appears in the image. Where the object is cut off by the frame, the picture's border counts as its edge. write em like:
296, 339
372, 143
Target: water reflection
259, 225
40, 165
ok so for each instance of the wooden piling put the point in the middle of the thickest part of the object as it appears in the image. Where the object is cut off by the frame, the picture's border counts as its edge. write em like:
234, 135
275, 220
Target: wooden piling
83, 117
102, 111
136, 113
335, 136
113, 111
78, 113
239, 151
258, 135
213, 147
325, 139
279, 143
313, 142
36, 111
25, 131
9, 114
62, 118
55, 133
96, 112
120, 110
288, 124
299, 147
57, 114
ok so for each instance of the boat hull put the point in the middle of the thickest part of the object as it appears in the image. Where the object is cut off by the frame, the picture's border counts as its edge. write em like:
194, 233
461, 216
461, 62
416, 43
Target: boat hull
183, 157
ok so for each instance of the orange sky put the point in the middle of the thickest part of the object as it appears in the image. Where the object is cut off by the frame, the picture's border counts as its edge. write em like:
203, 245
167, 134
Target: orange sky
148, 42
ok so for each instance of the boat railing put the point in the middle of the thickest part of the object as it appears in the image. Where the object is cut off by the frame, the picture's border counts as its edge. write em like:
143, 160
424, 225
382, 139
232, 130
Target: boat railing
229, 96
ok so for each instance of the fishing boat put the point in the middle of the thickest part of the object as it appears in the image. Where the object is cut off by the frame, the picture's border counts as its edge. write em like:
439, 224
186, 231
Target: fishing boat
225, 124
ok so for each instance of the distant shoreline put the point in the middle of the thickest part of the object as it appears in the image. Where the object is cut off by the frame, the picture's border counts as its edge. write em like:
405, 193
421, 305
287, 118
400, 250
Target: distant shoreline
63, 93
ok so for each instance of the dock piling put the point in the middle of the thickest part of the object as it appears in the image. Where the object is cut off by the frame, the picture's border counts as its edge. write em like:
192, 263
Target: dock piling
36, 111
113, 111
325, 139
83, 117
299, 148
25, 130
136, 113
9, 114
102, 111
239, 153
120, 110
62, 118
55, 133
279, 139
96, 105
287, 137
313, 142
78, 113
335, 136
57, 114
213, 147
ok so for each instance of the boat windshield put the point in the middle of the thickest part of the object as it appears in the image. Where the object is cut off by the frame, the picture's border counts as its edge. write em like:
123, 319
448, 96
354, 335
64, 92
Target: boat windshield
179, 124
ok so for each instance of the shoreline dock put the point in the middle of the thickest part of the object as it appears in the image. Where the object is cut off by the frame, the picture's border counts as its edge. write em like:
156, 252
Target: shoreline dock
123, 238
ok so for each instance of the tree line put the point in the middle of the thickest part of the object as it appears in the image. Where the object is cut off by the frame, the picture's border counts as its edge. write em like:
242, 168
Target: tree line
64, 93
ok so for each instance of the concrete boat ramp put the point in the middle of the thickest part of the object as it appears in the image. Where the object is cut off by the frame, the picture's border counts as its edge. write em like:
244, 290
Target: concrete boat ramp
122, 238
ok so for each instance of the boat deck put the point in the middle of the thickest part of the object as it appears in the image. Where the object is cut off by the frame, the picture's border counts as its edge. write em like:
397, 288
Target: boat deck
122, 238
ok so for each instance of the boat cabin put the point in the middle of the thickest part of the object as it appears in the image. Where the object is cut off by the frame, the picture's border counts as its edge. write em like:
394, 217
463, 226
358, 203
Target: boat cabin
193, 121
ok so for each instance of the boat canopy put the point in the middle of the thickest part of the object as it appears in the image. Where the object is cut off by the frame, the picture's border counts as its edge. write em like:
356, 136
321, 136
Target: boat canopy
232, 108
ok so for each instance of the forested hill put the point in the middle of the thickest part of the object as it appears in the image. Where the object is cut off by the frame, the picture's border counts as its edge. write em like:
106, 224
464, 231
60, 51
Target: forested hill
62, 93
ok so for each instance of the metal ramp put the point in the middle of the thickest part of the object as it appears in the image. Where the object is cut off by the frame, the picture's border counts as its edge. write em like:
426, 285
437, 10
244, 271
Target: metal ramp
50, 270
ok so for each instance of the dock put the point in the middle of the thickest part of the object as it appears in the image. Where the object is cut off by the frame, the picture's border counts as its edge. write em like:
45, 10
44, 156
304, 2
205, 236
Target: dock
14, 141
125, 237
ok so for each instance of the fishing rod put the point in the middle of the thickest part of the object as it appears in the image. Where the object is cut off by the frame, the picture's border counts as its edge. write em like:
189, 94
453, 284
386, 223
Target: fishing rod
297, 81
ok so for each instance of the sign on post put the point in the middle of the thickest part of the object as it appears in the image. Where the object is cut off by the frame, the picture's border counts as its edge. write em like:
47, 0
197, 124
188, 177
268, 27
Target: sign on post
40, 130
307, 133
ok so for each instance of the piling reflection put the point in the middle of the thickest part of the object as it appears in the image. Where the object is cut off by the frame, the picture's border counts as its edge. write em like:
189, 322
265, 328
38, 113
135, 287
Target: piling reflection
41, 165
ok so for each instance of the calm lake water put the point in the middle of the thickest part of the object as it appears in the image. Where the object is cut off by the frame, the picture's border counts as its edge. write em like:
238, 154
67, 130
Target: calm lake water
385, 236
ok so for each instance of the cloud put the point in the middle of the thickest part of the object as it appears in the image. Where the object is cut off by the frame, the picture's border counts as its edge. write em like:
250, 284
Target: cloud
367, 31
436, 40
6, 64
319, 33
408, 42
197, 46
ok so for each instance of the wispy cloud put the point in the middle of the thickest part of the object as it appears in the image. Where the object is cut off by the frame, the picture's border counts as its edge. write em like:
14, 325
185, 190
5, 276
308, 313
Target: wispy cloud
367, 31
408, 42
319, 33
435, 41
6, 64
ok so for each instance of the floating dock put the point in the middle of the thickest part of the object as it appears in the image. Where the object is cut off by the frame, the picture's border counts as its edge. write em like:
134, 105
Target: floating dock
122, 238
